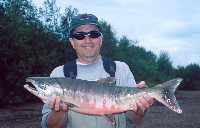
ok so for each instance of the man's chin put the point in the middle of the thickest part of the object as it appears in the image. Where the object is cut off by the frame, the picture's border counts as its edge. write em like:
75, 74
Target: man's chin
91, 58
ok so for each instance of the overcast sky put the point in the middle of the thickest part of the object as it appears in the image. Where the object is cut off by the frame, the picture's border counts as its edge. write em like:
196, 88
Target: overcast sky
159, 25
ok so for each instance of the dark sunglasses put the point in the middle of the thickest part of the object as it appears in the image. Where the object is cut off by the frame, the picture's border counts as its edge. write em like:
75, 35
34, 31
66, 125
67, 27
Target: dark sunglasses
82, 35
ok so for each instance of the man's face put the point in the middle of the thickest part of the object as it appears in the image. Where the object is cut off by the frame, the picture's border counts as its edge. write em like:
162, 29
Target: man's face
88, 48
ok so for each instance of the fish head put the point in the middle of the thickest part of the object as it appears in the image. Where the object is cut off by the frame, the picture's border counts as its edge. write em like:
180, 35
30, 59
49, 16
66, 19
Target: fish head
44, 87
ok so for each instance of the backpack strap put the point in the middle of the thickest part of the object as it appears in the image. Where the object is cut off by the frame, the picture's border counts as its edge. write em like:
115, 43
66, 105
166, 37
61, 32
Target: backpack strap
109, 66
70, 68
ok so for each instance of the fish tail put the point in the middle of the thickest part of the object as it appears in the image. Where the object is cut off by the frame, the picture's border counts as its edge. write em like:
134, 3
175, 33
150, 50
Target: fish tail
165, 94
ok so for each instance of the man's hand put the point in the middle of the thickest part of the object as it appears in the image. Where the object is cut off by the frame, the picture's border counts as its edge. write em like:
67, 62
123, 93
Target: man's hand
56, 104
58, 117
143, 102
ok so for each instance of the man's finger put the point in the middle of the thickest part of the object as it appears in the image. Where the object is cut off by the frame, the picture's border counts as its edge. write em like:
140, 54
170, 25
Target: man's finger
140, 103
57, 103
141, 84
52, 102
149, 99
64, 107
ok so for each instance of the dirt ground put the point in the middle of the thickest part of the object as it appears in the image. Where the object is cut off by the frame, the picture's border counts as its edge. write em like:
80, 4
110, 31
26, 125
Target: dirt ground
159, 116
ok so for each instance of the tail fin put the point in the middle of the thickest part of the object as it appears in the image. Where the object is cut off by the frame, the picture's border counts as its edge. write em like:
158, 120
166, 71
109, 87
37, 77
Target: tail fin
165, 94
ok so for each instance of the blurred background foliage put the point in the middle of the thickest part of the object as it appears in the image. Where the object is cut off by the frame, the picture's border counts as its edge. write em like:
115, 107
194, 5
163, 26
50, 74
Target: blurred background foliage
33, 41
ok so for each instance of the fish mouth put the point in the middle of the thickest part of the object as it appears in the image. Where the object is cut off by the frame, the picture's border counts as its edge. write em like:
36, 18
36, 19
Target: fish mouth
32, 85
31, 88
34, 88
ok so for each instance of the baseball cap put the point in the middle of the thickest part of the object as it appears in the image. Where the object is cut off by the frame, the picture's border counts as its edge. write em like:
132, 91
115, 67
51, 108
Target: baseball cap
83, 19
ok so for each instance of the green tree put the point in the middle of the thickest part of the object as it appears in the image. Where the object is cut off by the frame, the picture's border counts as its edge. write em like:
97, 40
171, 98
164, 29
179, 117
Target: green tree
28, 49
50, 15
66, 20
16, 20
108, 48
191, 77
165, 67
123, 48
64, 49
142, 63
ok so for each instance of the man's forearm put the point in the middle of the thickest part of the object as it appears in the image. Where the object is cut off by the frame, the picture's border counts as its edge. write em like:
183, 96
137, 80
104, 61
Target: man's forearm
56, 119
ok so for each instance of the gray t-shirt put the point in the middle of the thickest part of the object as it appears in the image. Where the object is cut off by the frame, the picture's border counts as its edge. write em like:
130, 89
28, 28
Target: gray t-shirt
93, 72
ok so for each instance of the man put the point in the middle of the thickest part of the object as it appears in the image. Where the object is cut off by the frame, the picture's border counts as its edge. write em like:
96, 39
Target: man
86, 38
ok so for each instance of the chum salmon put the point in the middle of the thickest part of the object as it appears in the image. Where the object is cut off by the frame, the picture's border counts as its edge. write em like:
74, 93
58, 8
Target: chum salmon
100, 97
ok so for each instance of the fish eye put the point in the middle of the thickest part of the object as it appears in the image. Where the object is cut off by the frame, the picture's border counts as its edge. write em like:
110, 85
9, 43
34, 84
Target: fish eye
43, 86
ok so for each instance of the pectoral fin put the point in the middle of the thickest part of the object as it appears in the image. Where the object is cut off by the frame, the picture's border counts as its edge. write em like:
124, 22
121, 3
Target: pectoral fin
70, 105
109, 118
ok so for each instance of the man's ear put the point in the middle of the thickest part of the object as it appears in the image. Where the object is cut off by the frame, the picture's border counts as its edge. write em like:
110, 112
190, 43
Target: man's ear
101, 38
72, 42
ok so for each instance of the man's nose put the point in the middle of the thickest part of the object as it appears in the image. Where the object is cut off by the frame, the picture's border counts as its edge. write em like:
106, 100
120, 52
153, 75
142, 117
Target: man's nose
87, 38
